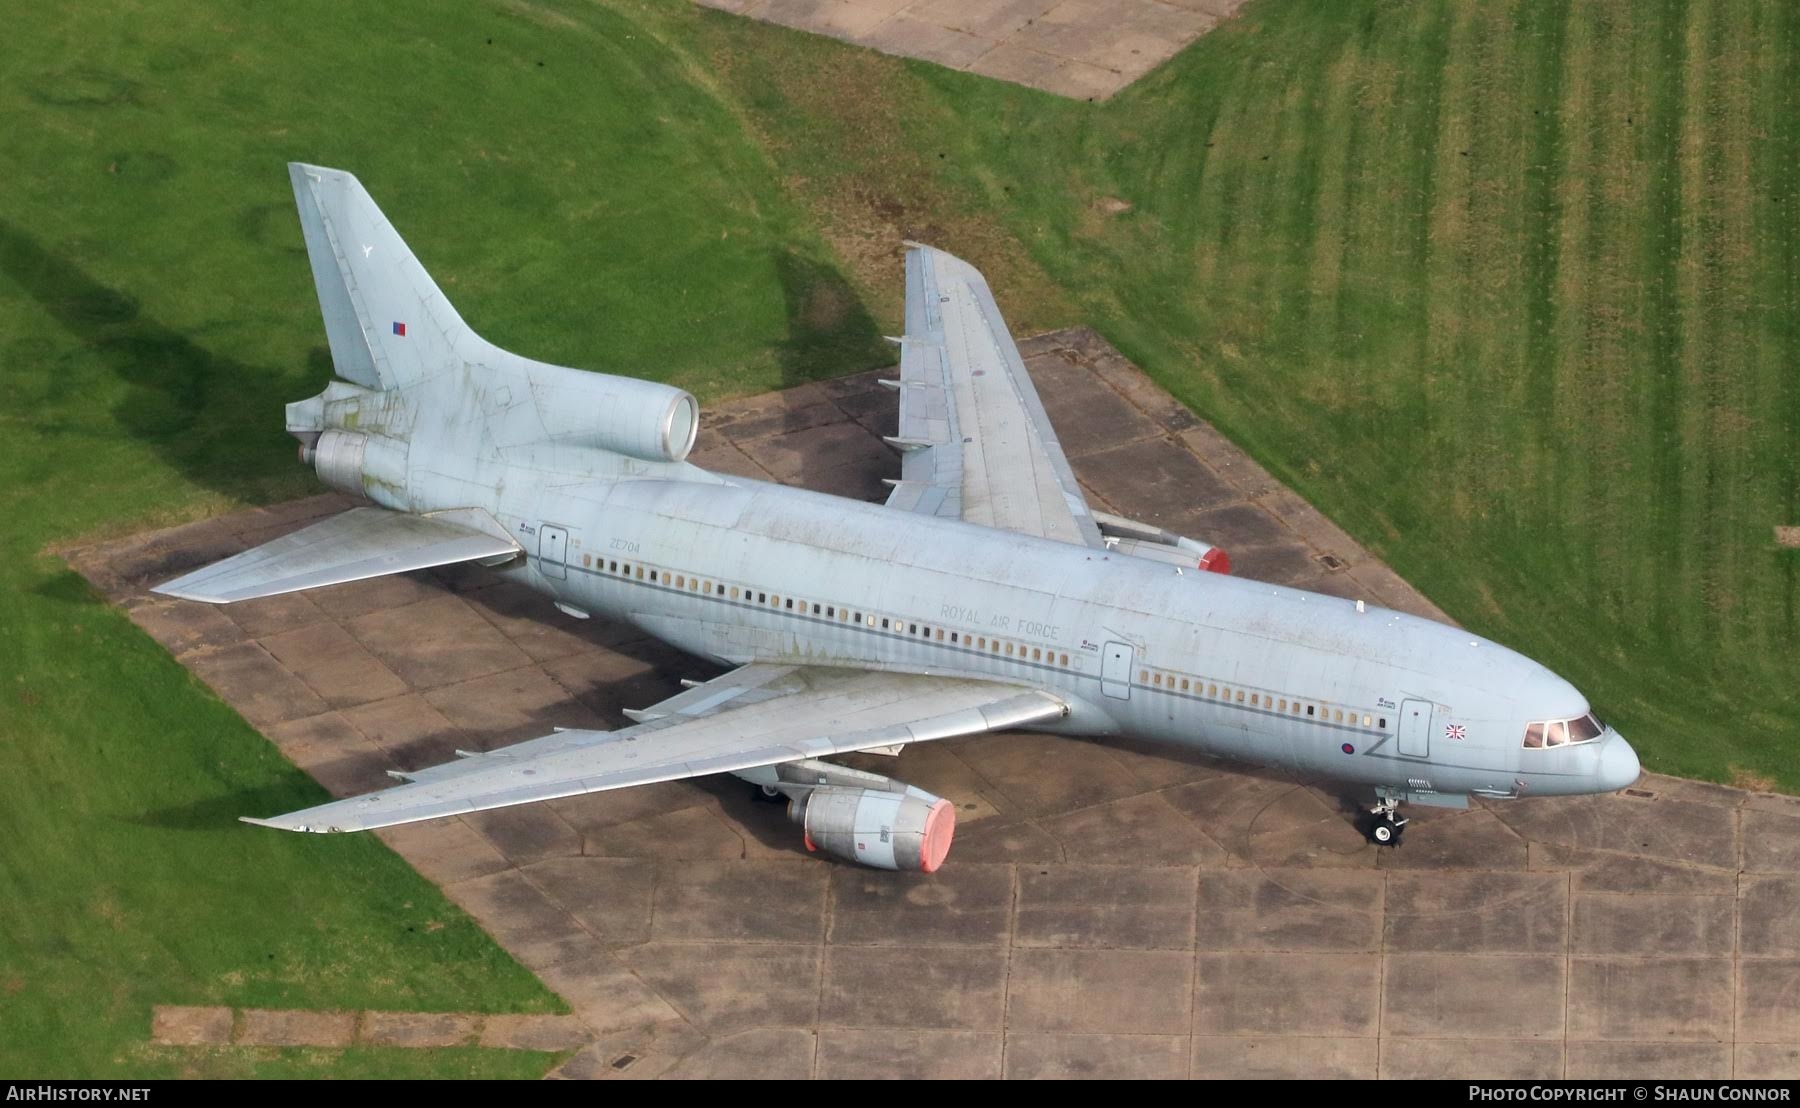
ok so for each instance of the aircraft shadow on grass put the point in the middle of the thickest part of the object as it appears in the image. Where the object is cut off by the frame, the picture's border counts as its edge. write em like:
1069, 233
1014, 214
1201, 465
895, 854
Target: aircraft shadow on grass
191, 403
186, 401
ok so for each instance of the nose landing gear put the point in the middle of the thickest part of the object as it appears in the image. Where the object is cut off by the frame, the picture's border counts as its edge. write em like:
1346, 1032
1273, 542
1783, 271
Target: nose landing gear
1384, 822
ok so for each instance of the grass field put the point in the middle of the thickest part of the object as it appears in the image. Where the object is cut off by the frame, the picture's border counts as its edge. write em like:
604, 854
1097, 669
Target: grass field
583, 197
1508, 289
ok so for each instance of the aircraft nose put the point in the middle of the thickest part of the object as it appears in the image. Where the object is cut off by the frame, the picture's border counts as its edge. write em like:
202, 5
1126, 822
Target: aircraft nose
1618, 764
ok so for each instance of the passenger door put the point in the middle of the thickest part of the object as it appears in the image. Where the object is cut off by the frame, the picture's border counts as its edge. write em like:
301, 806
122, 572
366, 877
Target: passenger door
553, 549
1115, 670
1415, 728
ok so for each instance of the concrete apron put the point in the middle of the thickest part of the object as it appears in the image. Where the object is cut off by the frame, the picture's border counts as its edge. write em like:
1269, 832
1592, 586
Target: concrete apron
1107, 910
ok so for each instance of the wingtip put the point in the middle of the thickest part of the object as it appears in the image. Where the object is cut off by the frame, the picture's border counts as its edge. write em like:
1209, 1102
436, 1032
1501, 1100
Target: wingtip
319, 174
171, 590
278, 825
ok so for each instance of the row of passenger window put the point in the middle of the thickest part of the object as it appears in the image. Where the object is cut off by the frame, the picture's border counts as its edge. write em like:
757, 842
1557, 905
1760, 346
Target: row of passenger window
1000, 648
1005, 648
1156, 679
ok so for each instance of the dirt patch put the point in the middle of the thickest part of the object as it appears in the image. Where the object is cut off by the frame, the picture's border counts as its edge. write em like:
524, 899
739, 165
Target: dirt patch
177, 1025
1748, 779
419, 1029
286, 1027
802, 105
1788, 537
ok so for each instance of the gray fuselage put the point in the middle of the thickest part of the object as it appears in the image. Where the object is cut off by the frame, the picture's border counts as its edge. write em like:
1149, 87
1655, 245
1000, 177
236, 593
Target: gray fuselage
738, 570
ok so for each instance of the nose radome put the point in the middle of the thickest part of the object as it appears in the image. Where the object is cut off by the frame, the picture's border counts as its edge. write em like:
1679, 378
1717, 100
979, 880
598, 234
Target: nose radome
1618, 764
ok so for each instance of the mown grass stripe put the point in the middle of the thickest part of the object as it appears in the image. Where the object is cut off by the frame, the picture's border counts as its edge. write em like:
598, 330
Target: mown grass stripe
1567, 361
1694, 299
1540, 236
1778, 186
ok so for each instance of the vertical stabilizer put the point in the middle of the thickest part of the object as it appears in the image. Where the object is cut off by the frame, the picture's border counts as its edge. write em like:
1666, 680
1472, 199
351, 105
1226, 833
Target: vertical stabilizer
388, 323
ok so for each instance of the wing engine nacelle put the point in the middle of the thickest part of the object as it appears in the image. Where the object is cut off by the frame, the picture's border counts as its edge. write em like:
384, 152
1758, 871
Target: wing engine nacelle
1145, 540
903, 829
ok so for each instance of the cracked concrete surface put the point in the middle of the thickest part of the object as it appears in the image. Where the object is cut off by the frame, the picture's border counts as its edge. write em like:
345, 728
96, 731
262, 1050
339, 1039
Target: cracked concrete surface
1107, 909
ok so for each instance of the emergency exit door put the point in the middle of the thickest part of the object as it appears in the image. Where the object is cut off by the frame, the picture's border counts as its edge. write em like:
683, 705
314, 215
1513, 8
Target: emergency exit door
1415, 728
1115, 670
553, 550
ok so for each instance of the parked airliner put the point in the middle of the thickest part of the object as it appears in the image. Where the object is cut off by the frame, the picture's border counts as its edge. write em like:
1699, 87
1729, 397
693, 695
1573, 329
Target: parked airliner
984, 595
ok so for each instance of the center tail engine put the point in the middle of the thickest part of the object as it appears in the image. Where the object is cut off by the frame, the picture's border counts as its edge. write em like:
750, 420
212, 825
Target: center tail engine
358, 440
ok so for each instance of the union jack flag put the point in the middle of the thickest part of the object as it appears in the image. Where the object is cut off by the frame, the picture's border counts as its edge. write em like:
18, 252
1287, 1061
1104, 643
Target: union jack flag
1455, 731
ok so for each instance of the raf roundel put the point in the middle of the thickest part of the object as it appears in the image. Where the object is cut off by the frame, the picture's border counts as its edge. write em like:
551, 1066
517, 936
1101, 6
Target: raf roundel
1348, 749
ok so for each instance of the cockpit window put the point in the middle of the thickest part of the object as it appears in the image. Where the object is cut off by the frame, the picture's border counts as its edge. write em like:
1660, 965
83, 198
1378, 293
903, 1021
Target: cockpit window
1562, 732
1583, 729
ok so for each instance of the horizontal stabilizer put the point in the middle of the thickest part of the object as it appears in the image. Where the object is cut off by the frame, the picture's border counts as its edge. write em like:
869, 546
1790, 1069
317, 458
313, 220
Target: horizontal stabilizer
361, 543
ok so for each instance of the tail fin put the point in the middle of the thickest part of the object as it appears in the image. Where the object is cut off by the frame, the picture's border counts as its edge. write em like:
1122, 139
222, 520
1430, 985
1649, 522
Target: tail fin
388, 323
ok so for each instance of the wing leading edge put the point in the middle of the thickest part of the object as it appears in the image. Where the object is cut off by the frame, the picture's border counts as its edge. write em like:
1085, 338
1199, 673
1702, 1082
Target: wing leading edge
977, 444
758, 715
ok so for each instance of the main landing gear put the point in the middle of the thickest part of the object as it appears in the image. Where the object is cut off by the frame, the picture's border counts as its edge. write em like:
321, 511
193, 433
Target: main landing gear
1384, 822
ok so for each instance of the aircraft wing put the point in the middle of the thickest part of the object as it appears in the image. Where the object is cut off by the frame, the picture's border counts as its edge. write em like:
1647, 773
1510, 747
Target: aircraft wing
758, 715
360, 543
976, 442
